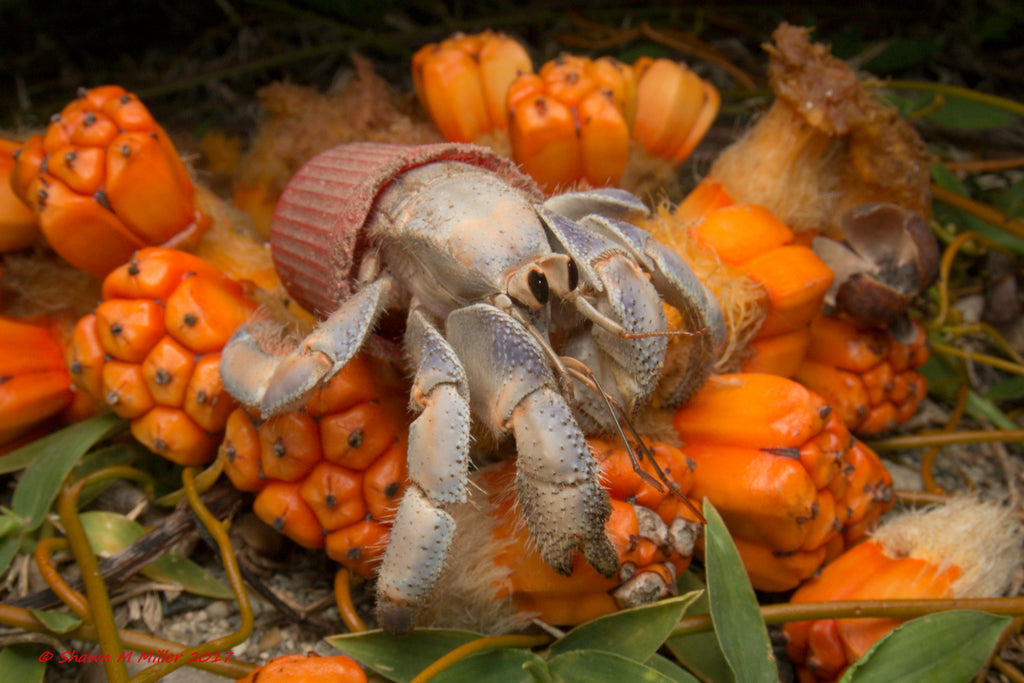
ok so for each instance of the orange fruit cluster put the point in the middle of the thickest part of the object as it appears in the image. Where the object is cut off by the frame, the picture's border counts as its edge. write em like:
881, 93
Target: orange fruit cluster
868, 376
18, 227
793, 486
151, 350
793, 279
331, 474
34, 380
105, 173
575, 120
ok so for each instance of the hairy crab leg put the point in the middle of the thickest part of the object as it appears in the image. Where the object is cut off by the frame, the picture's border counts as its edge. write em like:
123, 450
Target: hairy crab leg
278, 383
512, 387
438, 471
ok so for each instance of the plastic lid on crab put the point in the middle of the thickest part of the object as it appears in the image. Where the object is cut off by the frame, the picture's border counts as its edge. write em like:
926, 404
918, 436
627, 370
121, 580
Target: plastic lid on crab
315, 234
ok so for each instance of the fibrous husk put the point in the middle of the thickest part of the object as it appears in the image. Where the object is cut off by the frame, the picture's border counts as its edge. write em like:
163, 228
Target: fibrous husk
825, 145
741, 299
983, 539
301, 122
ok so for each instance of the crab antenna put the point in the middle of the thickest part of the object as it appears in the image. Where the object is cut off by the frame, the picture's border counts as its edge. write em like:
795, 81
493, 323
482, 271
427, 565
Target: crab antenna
581, 372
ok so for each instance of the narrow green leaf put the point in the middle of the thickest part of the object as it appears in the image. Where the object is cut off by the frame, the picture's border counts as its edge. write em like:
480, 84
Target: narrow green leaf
52, 457
400, 658
509, 665
58, 622
964, 114
109, 532
22, 663
700, 652
948, 647
1007, 390
593, 666
670, 670
8, 549
738, 623
635, 633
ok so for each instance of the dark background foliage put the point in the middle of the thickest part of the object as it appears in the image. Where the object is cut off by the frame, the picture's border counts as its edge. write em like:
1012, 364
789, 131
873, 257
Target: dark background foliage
198, 64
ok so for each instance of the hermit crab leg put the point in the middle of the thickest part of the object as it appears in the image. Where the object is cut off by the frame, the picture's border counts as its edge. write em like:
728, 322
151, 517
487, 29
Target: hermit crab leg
276, 383
680, 288
512, 387
608, 201
438, 471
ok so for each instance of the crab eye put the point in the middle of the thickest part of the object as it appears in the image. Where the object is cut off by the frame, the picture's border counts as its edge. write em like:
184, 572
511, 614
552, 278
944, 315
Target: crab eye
574, 275
538, 286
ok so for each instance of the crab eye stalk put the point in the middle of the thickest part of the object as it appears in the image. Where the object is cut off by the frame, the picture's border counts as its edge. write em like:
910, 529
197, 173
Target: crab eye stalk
538, 286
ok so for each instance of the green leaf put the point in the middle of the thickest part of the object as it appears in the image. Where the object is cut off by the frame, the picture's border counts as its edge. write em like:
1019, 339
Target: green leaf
738, 623
1007, 390
8, 549
52, 457
948, 647
509, 665
965, 114
965, 221
58, 622
593, 666
400, 658
669, 669
109, 532
700, 652
21, 663
635, 633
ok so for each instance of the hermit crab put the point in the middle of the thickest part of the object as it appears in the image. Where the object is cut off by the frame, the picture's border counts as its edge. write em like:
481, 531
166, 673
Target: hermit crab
539, 319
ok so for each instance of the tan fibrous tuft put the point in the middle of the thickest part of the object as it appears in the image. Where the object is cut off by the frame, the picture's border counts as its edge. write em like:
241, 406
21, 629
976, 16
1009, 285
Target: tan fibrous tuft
983, 539
741, 299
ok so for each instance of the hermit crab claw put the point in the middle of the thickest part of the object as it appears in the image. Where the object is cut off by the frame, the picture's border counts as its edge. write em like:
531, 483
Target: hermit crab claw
278, 383
888, 256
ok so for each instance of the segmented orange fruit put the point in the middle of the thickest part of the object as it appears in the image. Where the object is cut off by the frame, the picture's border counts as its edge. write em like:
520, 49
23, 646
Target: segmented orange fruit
868, 376
105, 180
331, 474
34, 380
462, 82
789, 280
151, 350
793, 486
308, 669
576, 120
963, 548
18, 226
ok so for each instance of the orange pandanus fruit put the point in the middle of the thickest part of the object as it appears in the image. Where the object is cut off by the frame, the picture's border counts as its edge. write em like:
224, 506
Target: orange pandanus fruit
105, 180
151, 350
462, 82
793, 486
744, 242
331, 474
35, 384
308, 669
866, 374
591, 121
18, 225
961, 549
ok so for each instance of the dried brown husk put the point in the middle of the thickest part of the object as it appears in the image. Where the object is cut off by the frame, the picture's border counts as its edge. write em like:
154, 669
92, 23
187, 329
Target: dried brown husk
825, 145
